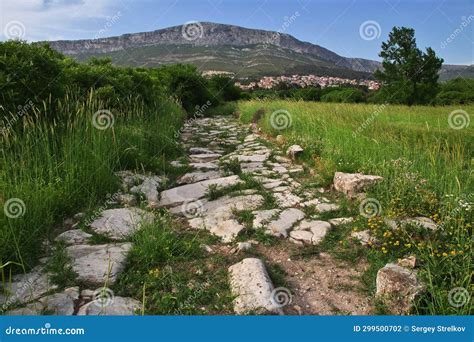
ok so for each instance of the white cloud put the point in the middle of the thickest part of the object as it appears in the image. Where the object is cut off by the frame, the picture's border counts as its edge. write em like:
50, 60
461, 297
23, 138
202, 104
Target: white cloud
56, 19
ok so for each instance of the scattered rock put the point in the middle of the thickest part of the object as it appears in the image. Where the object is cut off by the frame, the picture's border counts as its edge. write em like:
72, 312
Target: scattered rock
424, 222
398, 286
252, 287
352, 184
340, 221
294, 151
243, 246
408, 262
363, 236
326, 207
127, 199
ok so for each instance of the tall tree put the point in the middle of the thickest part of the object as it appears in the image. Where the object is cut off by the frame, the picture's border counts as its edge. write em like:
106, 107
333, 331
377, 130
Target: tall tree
409, 75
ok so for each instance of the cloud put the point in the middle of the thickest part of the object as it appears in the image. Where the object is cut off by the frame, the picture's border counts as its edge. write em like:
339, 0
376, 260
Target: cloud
56, 19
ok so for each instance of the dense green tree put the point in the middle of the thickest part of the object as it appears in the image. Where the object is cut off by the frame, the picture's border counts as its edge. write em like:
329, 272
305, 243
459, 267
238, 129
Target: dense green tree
409, 75
224, 87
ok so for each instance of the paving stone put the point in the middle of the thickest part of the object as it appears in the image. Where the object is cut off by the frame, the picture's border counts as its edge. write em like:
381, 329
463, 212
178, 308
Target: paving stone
193, 177
73, 237
192, 192
120, 223
119, 306
98, 264
287, 219
61, 304
26, 287
262, 217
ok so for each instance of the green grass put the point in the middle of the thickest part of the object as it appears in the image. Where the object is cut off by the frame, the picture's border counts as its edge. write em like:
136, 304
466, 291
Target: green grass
57, 168
427, 170
168, 268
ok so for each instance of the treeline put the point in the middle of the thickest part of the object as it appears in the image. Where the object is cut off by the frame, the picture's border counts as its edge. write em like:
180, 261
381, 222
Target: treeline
455, 91
37, 73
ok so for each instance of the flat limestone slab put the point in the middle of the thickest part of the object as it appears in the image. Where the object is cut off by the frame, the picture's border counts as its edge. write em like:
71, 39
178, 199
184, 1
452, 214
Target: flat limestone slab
252, 287
26, 287
120, 223
98, 264
193, 177
288, 218
192, 192
119, 306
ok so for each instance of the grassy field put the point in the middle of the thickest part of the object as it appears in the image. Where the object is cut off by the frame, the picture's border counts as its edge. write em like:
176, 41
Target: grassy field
427, 170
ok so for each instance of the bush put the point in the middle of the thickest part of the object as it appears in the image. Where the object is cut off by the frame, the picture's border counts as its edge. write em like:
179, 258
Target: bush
350, 95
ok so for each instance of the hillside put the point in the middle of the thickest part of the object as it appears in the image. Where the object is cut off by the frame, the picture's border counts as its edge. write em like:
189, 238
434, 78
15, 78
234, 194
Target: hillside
241, 50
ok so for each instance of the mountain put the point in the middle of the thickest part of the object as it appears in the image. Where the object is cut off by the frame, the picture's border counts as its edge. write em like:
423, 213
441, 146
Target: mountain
246, 52
243, 51
452, 71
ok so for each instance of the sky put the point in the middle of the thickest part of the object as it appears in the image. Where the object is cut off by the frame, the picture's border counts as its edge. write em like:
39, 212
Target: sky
351, 28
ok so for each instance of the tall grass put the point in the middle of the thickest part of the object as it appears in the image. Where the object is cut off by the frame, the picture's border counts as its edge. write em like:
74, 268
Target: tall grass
427, 170
57, 162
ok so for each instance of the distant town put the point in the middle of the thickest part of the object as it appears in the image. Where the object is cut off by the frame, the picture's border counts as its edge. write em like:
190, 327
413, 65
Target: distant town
300, 81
